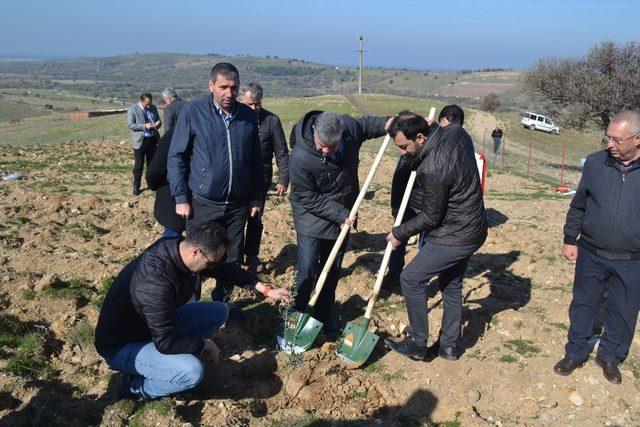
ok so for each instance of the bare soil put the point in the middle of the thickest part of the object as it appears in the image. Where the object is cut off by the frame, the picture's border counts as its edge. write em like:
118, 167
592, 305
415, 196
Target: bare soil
70, 225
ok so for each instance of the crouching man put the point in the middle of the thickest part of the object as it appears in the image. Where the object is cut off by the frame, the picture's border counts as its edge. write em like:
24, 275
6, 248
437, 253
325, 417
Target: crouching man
453, 221
150, 326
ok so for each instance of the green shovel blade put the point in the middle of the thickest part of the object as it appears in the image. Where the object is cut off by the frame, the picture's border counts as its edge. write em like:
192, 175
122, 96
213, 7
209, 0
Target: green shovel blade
299, 333
356, 344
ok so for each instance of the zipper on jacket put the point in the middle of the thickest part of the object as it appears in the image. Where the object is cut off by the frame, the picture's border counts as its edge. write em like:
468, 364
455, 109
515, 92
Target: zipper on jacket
230, 161
615, 223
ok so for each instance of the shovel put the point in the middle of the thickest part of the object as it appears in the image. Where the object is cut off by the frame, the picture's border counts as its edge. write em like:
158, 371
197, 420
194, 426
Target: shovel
357, 343
301, 329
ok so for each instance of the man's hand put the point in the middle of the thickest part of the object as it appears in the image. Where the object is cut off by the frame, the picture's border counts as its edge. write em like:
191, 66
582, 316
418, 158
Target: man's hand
394, 242
210, 352
157, 124
183, 210
387, 125
256, 209
279, 294
281, 189
149, 125
349, 222
570, 252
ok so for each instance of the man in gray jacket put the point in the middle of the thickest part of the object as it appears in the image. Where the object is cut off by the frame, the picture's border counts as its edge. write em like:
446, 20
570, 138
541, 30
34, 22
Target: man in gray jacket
602, 235
144, 121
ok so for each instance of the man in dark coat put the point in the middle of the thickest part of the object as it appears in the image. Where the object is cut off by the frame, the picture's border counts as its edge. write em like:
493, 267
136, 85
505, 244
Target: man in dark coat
272, 141
323, 168
450, 114
602, 235
164, 207
453, 222
151, 327
215, 164
174, 105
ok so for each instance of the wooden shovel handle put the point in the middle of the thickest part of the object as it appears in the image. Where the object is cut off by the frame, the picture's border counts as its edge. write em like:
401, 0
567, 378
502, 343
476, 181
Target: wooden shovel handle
389, 248
345, 230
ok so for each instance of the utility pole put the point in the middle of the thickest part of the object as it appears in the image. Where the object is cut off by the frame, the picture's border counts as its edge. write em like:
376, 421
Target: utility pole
360, 52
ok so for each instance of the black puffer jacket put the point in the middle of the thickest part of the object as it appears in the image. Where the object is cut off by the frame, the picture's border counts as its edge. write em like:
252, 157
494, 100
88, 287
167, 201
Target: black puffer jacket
272, 141
141, 304
324, 190
452, 206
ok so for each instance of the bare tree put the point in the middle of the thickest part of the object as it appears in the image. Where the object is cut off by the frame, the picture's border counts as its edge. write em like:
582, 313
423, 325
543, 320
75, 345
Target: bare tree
605, 81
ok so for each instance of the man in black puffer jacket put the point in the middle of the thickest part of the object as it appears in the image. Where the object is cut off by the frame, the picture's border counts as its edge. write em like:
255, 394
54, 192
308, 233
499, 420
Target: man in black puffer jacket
323, 169
150, 326
452, 220
602, 235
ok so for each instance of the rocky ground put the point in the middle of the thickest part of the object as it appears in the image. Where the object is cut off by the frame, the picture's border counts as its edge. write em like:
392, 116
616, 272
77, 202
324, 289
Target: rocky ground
69, 225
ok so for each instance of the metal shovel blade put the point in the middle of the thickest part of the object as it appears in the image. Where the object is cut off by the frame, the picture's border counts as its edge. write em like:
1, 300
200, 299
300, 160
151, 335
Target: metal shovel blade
356, 344
299, 333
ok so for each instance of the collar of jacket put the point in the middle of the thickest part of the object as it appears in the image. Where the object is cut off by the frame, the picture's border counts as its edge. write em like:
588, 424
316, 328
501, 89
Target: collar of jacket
173, 248
435, 135
304, 132
617, 165
214, 109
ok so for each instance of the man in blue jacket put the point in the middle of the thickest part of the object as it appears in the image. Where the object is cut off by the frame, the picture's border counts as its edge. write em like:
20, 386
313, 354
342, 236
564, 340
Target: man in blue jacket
215, 164
603, 237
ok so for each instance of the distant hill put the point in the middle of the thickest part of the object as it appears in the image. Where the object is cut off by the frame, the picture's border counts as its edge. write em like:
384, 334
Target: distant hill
124, 77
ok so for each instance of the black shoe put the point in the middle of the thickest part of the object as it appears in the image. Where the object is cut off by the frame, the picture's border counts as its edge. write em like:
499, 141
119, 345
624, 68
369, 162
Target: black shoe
236, 313
136, 191
566, 366
330, 327
407, 347
610, 371
448, 353
123, 390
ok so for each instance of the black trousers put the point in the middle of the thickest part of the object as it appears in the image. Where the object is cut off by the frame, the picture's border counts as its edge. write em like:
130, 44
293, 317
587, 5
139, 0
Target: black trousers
448, 262
232, 216
621, 280
140, 155
254, 225
312, 255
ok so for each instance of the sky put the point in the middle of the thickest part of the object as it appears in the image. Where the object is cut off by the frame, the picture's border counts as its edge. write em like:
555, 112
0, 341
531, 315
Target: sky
422, 35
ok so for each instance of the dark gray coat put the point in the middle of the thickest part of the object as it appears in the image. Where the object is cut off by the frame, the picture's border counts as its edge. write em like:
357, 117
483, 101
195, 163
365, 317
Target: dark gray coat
605, 208
324, 190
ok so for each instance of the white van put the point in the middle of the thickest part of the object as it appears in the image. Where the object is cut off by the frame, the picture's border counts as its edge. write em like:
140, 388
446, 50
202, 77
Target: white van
535, 121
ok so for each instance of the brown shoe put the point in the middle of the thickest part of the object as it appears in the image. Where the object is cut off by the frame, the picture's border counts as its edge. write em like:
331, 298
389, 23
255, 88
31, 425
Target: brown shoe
610, 371
566, 366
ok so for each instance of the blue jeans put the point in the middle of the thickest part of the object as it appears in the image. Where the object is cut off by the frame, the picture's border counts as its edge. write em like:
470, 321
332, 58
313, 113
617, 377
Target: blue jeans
156, 374
170, 233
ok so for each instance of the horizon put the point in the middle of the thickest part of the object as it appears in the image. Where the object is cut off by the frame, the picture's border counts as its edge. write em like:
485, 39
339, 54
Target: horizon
413, 35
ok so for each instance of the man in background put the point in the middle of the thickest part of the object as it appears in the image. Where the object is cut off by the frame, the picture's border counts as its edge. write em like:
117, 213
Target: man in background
144, 121
173, 106
272, 141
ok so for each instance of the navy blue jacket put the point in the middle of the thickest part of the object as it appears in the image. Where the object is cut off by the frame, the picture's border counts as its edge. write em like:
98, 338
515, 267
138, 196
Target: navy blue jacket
605, 206
212, 160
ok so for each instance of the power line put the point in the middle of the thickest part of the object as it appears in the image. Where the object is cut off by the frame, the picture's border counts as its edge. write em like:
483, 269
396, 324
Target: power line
360, 51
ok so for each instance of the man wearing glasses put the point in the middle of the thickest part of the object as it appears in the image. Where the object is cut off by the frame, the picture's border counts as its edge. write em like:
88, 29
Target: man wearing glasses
152, 329
603, 236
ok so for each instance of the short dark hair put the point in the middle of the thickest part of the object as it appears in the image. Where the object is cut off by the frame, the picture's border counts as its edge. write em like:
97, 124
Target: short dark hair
209, 236
146, 95
410, 124
453, 113
224, 69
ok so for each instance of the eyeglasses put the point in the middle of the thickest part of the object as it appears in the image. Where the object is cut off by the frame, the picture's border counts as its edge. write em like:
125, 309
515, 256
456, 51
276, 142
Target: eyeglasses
616, 139
209, 262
